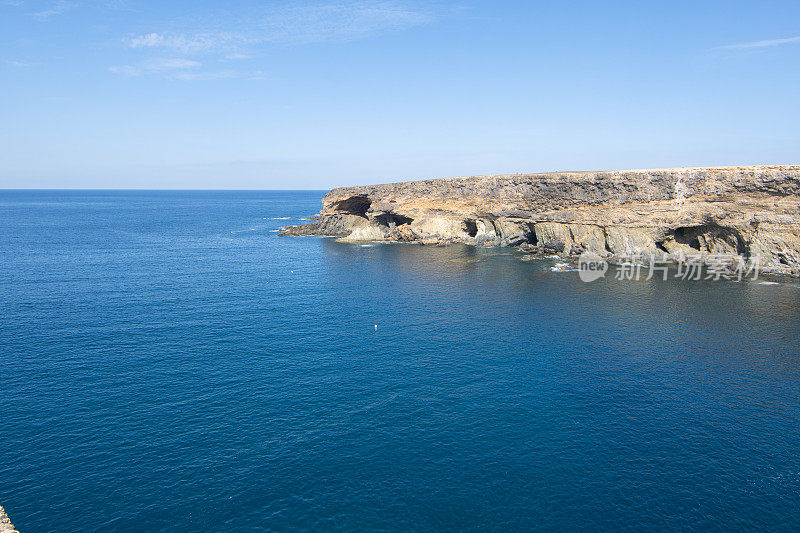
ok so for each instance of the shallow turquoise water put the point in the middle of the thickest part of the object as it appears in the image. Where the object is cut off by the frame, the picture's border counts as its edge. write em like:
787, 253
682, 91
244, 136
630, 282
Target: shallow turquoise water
169, 363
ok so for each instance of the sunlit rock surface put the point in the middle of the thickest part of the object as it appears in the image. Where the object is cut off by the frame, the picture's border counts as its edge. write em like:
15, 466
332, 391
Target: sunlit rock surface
5, 523
749, 214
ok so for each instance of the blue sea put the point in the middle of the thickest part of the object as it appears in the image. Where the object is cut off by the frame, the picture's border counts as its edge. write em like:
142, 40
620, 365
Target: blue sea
169, 363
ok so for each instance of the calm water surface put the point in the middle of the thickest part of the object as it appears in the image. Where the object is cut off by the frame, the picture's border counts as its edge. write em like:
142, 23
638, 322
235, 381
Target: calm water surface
169, 363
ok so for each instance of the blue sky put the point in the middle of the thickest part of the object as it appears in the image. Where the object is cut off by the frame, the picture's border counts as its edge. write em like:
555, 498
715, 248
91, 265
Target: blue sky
290, 95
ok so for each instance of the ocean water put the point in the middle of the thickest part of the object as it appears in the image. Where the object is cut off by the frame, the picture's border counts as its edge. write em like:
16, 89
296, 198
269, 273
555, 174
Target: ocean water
168, 363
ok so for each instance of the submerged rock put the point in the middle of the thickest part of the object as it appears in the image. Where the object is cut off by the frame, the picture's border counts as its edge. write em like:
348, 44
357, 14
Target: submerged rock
748, 213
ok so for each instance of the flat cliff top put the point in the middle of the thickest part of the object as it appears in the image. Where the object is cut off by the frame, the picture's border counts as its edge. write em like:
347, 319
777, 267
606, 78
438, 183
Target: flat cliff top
530, 193
568, 174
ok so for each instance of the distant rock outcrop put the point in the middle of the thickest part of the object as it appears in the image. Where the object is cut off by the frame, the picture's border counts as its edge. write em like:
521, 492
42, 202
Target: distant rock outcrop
5, 523
749, 214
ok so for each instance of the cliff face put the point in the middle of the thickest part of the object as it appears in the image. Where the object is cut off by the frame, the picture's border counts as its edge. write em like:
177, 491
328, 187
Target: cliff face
751, 213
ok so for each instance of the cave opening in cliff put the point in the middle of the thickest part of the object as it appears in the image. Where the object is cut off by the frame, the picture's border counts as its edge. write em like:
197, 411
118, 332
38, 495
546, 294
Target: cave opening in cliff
471, 227
530, 235
712, 238
689, 235
393, 219
355, 205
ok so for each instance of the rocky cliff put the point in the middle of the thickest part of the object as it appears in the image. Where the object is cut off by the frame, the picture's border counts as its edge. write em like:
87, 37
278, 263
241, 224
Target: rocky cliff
746, 213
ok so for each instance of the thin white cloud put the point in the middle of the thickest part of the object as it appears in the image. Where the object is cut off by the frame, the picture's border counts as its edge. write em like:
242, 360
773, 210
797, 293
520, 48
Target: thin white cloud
20, 64
176, 69
339, 21
58, 8
126, 70
170, 64
238, 56
181, 43
761, 44
222, 41
200, 76
314, 23
159, 65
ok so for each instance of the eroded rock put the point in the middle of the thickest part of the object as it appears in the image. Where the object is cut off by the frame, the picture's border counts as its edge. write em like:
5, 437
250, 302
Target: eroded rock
752, 213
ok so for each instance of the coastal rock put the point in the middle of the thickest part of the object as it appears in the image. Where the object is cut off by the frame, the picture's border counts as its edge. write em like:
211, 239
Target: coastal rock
751, 213
5, 523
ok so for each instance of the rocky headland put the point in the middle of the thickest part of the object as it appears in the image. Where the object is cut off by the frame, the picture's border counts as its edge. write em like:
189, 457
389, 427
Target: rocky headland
748, 213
